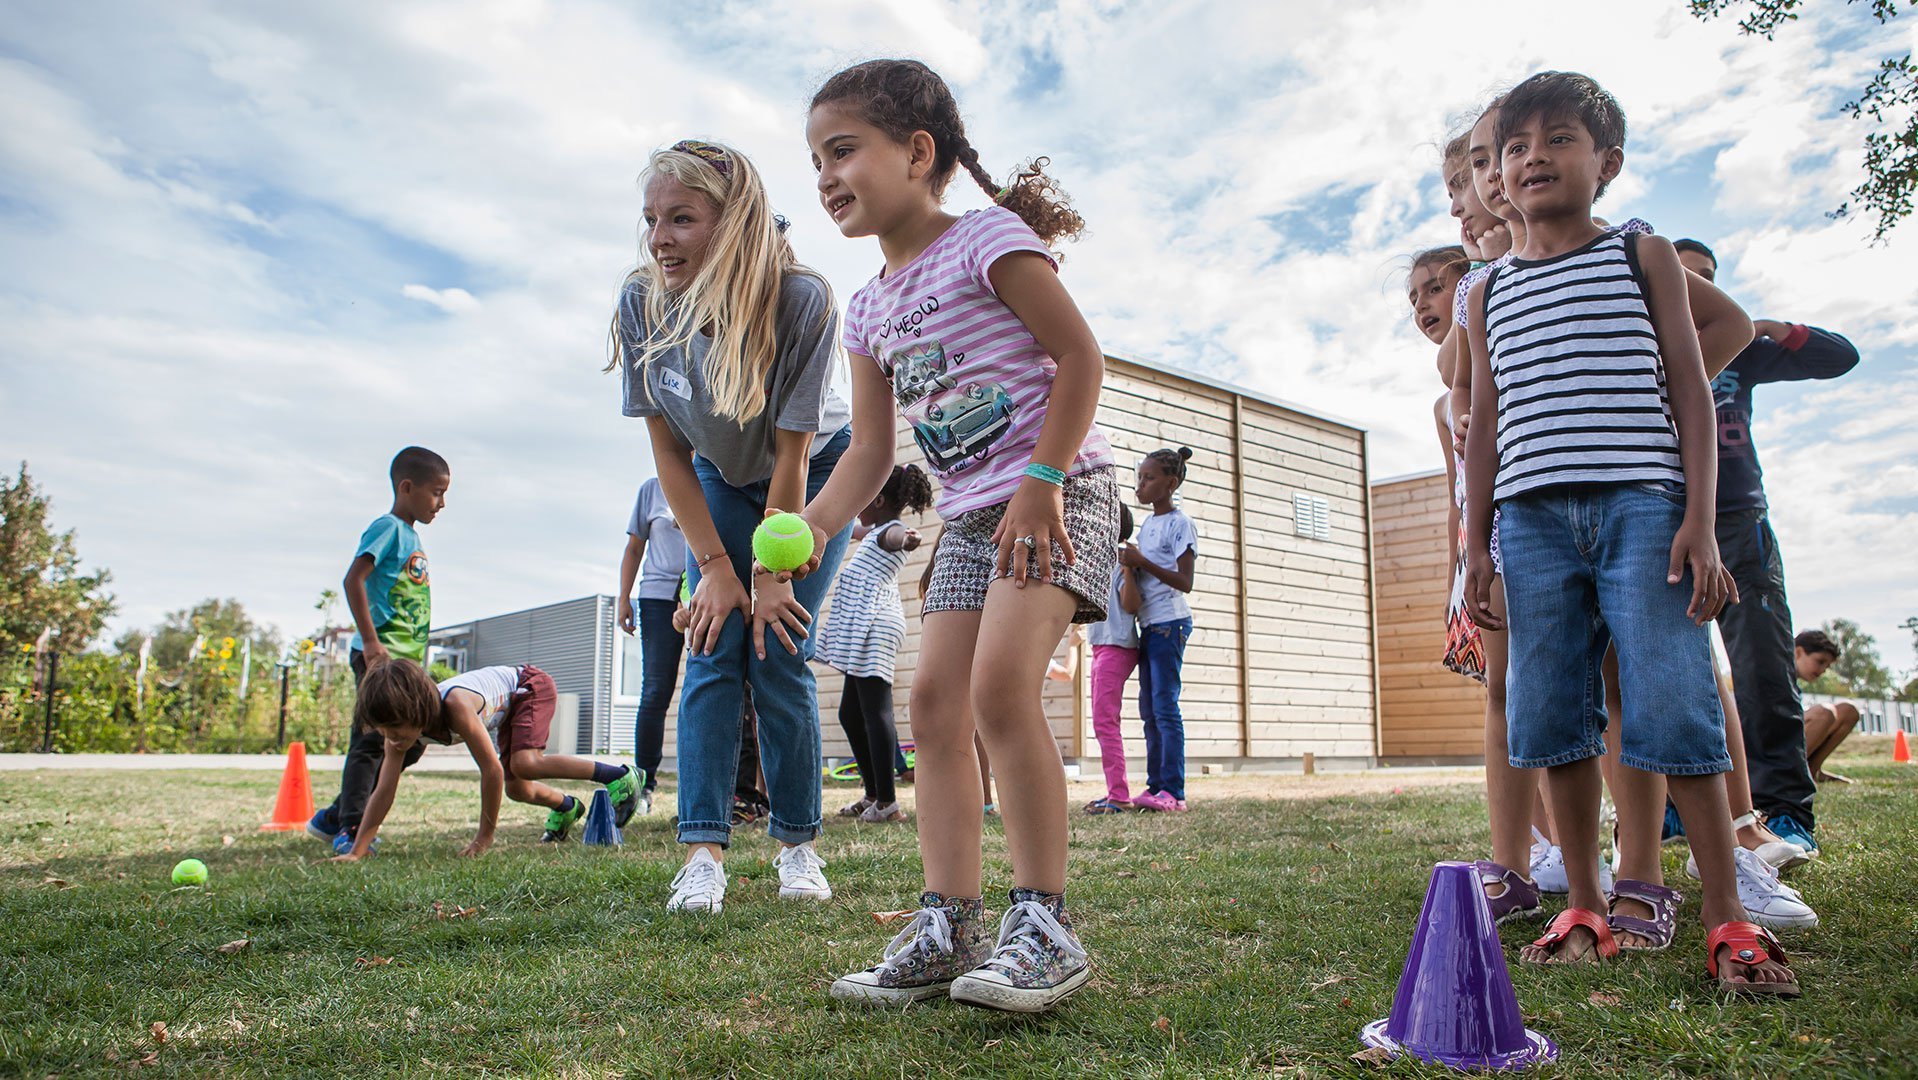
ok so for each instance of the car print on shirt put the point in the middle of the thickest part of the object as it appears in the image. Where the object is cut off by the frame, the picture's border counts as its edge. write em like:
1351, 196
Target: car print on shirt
950, 423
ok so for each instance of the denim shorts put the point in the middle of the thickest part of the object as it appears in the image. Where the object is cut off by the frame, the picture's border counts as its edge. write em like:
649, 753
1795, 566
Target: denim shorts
1585, 567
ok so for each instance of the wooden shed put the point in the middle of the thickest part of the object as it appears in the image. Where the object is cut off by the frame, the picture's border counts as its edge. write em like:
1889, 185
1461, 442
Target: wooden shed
1282, 661
1427, 713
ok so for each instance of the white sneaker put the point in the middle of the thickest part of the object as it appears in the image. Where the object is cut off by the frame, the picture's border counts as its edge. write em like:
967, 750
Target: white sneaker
1037, 964
700, 885
645, 802
1548, 865
1769, 901
802, 873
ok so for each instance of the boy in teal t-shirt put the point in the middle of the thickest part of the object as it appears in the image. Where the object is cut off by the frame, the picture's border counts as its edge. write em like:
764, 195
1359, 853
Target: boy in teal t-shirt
390, 594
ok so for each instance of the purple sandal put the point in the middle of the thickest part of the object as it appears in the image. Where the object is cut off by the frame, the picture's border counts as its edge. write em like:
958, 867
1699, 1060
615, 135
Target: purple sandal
1518, 901
1660, 927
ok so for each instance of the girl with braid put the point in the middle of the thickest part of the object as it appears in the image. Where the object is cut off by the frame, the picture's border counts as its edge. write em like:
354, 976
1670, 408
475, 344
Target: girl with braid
1163, 561
967, 328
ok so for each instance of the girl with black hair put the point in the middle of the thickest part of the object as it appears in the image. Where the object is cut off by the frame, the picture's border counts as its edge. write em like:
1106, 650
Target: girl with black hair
863, 630
1163, 558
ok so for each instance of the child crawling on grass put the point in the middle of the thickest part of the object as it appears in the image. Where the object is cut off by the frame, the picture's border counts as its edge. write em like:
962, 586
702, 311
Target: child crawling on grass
503, 715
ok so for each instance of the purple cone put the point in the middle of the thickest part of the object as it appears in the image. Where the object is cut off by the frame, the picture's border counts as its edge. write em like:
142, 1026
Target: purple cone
1455, 1003
600, 829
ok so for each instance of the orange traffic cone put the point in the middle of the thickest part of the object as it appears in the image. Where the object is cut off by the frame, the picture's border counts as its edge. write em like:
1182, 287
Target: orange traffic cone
295, 803
1900, 750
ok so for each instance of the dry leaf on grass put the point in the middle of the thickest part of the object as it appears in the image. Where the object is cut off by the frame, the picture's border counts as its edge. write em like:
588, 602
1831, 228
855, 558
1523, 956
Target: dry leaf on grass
152, 1058
1162, 1025
373, 961
884, 918
990, 1043
232, 947
1603, 999
58, 883
441, 911
227, 840
1159, 868
1127, 873
159, 1032
1377, 1055
1325, 982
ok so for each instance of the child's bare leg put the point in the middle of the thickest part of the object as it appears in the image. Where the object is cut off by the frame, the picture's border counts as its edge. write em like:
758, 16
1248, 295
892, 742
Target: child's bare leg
537, 764
1825, 728
1638, 800
1509, 793
1701, 806
1542, 812
520, 789
985, 767
945, 767
1019, 629
1574, 790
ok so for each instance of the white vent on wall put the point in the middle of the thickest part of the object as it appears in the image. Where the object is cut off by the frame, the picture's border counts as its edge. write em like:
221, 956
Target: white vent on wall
1312, 516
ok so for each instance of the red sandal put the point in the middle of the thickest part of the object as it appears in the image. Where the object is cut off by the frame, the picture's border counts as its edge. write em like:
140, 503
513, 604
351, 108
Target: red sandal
1565, 921
1751, 944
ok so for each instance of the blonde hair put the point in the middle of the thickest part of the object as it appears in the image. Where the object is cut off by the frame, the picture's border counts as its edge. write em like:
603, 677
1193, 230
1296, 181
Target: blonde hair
736, 292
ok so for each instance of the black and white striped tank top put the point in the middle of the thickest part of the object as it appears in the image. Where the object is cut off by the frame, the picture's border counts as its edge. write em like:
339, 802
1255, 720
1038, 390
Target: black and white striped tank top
1581, 389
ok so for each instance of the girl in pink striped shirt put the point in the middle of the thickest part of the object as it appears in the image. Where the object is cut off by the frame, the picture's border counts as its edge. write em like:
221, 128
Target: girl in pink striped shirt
968, 331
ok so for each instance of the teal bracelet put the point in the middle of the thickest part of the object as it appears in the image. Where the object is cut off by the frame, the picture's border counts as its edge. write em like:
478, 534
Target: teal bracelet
1055, 477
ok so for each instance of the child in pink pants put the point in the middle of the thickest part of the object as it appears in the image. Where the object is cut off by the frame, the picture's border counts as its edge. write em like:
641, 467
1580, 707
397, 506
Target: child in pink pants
1115, 653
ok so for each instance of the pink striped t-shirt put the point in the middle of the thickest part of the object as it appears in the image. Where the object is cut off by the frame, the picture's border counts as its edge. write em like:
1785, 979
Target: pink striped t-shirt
965, 371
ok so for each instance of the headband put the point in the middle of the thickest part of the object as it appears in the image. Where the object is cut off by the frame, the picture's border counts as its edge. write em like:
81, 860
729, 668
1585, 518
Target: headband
711, 153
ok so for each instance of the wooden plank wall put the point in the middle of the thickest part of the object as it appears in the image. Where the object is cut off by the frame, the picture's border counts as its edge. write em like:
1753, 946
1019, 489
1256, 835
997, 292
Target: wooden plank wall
1426, 710
1308, 651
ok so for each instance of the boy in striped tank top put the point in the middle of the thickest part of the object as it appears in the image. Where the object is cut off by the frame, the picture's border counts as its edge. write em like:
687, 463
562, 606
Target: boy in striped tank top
1600, 456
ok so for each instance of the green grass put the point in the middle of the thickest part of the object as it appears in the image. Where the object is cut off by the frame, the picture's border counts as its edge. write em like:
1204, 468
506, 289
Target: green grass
1249, 938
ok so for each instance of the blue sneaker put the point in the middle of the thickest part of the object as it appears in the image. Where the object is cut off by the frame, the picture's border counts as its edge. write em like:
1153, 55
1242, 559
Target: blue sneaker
1674, 828
324, 825
343, 843
1787, 828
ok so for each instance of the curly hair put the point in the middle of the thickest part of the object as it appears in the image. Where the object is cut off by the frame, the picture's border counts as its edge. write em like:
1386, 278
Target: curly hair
908, 489
397, 694
1172, 461
900, 97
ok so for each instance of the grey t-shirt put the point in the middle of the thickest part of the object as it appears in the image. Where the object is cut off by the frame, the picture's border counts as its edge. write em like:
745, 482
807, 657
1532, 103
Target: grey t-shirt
799, 391
665, 546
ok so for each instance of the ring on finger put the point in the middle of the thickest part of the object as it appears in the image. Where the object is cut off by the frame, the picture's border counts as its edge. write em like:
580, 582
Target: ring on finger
1029, 541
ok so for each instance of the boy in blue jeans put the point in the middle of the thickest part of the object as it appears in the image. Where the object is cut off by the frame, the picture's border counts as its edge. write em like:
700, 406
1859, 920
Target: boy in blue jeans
1603, 464
390, 595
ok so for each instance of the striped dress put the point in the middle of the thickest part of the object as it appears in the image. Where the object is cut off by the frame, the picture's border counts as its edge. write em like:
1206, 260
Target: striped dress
1581, 390
865, 624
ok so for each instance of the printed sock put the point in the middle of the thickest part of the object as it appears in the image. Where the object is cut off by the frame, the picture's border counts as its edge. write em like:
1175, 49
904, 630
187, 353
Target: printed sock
567, 806
606, 774
960, 908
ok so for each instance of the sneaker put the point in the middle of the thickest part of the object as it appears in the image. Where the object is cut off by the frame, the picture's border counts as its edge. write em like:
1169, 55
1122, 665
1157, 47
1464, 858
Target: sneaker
802, 873
324, 825
700, 885
1037, 963
646, 800
560, 822
1769, 901
945, 939
1108, 805
1548, 865
880, 813
745, 814
1787, 828
624, 794
992, 809
1674, 830
1782, 855
343, 843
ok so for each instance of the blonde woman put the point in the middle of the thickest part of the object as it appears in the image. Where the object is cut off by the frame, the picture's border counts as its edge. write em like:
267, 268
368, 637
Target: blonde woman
726, 346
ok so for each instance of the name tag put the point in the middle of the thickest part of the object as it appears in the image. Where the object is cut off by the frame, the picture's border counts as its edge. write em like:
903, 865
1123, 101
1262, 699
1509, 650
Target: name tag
674, 383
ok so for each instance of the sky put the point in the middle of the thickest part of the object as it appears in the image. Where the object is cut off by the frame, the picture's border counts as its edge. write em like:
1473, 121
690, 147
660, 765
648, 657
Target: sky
253, 249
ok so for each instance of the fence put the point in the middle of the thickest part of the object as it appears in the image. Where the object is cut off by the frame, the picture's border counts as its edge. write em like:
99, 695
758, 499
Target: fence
1876, 716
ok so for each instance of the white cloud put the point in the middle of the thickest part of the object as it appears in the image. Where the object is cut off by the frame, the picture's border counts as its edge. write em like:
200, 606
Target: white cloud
454, 301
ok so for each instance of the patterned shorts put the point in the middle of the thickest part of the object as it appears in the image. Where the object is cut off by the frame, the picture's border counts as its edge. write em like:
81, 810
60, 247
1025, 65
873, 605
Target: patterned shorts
967, 557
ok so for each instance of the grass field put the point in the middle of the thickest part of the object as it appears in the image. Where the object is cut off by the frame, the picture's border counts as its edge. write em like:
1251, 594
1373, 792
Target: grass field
1252, 937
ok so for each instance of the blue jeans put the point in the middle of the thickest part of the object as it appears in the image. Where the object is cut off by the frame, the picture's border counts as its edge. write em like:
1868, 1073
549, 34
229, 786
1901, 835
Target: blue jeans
1161, 656
1585, 567
660, 648
782, 684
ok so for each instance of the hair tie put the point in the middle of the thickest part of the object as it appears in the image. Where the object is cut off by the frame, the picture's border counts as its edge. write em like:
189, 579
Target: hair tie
780, 223
711, 153
1000, 195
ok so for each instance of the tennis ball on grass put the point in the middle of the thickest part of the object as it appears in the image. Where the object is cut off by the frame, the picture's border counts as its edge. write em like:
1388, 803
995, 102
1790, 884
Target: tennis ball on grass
782, 542
189, 872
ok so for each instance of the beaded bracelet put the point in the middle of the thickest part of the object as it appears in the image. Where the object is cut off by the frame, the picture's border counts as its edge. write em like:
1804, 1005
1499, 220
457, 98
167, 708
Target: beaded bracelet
702, 562
1055, 477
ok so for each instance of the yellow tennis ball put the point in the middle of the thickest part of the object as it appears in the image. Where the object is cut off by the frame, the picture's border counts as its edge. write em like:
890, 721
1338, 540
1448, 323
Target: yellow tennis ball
189, 872
783, 542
